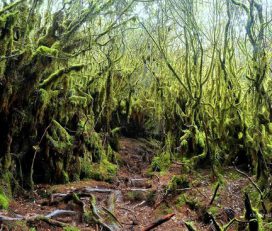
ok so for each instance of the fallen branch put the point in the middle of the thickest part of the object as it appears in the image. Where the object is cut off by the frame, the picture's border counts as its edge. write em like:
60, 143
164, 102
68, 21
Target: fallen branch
58, 213
215, 192
140, 204
97, 190
232, 221
158, 222
189, 226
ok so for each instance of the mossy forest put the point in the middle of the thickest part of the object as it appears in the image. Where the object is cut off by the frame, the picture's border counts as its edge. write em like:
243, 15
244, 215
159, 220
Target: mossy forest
141, 115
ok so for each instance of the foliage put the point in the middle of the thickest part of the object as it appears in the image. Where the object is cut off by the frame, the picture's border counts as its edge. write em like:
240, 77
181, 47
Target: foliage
178, 182
74, 76
4, 201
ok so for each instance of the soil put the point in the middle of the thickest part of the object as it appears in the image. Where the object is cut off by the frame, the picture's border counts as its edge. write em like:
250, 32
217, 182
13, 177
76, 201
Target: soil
138, 197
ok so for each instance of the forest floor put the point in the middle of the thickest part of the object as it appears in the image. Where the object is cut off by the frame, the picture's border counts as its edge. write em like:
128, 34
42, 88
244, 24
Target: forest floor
137, 198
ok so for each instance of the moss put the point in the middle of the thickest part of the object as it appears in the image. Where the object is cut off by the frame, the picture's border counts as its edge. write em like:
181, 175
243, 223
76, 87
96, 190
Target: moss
192, 203
44, 50
180, 201
18, 225
270, 128
164, 209
4, 202
65, 177
78, 101
7, 24
200, 139
104, 171
47, 83
151, 197
213, 210
43, 102
5, 184
135, 196
178, 182
10, 6
161, 163
184, 144
71, 228
60, 140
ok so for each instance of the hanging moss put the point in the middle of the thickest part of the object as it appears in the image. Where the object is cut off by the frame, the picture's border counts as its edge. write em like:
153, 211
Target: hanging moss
43, 101
78, 101
59, 140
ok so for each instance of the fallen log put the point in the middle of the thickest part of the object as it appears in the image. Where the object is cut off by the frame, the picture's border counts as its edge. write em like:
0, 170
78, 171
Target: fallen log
159, 222
97, 190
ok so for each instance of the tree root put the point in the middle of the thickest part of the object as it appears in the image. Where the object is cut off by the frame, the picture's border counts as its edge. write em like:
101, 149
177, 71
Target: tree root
46, 218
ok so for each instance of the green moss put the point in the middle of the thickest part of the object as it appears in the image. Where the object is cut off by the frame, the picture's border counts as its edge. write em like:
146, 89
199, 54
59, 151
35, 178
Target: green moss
270, 128
18, 225
135, 196
10, 6
65, 177
105, 170
161, 163
47, 83
178, 182
44, 50
191, 202
78, 101
4, 201
164, 209
184, 144
213, 210
44, 100
60, 140
180, 201
5, 184
200, 139
190, 226
71, 228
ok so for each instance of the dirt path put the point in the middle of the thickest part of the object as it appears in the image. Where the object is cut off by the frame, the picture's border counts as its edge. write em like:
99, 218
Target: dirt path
137, 198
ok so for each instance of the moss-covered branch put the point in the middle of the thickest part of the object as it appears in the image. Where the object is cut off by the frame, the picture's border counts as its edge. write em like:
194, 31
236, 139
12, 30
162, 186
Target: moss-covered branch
58, 74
